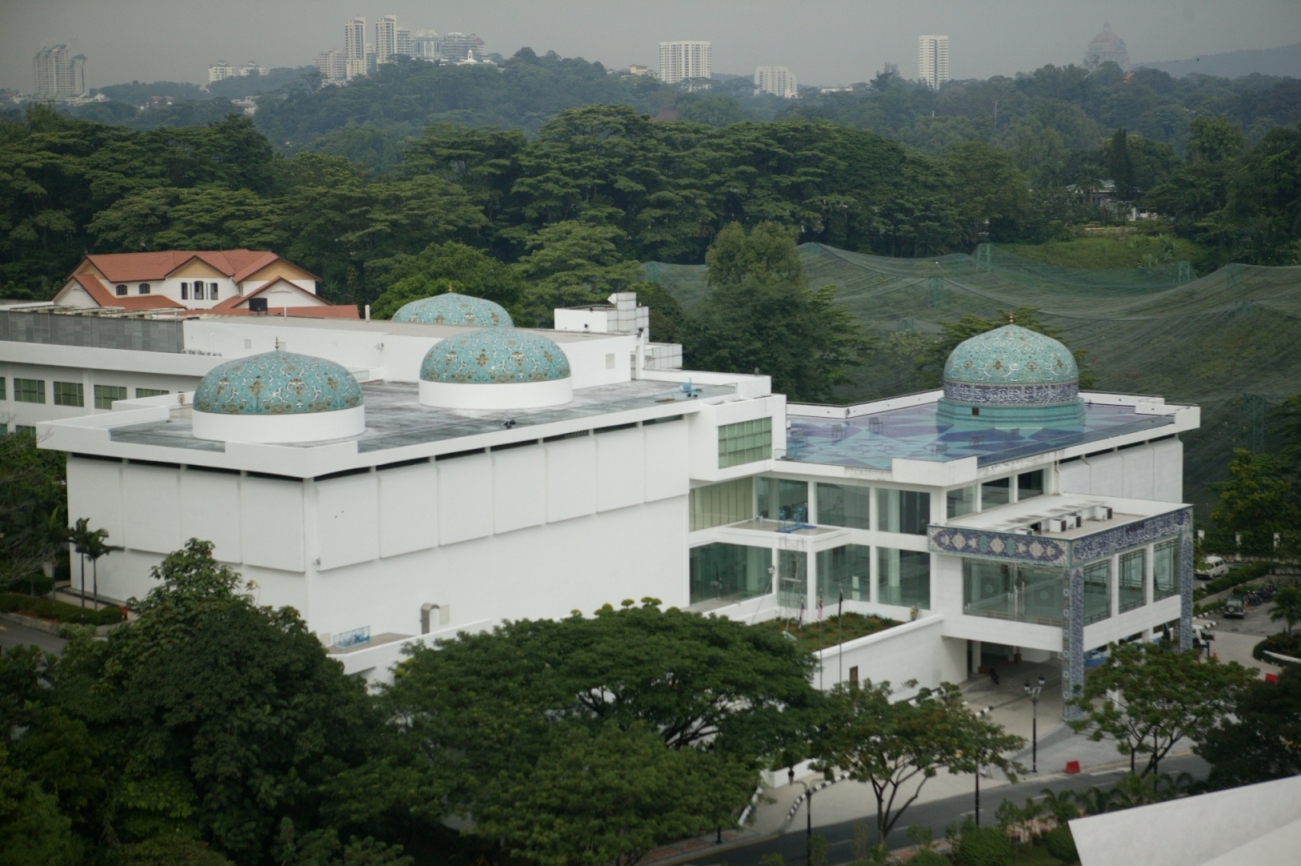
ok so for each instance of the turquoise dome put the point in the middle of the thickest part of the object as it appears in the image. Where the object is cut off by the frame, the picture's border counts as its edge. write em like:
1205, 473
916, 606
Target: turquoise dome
454, 309
277, 383
1011, 364
495, 356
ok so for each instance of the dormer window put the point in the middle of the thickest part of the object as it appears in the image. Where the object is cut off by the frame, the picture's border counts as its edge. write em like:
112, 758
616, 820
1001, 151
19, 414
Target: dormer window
198, 291
185, 291
144, 288
212, 292
121, 290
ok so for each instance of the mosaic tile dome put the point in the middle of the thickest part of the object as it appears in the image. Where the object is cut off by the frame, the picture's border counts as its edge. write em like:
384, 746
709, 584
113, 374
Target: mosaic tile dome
1011, 365
495, 356
277, 383
454, 309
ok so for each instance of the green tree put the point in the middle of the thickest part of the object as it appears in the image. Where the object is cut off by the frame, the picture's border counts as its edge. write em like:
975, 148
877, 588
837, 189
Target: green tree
1287, 606
1121, 166
33, 502
761, 316
896, 744
90, 544
571, 263
1261, 739
449, 267
930, 364
32, 830
1215, 139
1256, 502
1148, 699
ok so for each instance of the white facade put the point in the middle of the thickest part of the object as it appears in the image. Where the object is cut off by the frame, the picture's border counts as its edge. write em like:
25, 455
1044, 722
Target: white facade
333, 65
777, 80
402, 42
933, 60
683, 61
354, 48
59, 74
425, 44
386, 38
220, 71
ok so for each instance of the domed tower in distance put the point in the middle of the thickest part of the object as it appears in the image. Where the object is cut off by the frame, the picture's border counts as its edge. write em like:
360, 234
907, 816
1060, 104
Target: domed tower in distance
278, 397
495, 368
454, 309
1011, 377
1106, 46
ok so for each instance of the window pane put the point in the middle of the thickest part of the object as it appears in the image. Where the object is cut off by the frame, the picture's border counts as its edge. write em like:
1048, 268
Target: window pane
1040, 594
907, 511
792, 581
987, 589
844, 505
1030, 484
212, 292
3, 395
198, 291
1009, 591
29, 390
185, 291
845, 569
1165, 569
961, 501
1131, 580
996, 492
144, 288
149, 392
719, 504
903, 577
1097, 591
121, 290
746, 442
782, 499
729, 572
106, 394
68, 394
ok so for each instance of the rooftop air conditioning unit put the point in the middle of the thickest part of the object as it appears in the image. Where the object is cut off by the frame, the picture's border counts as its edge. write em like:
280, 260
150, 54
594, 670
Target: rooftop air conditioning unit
1101, 512
1058, 524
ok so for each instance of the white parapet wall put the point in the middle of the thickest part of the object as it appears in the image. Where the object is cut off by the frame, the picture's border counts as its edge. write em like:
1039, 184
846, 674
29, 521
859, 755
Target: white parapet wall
914, 650
376, 659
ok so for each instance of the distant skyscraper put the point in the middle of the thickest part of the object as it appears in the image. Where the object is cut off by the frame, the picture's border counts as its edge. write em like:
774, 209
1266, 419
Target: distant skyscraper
425, 44
456, 47
220, 71
59, 75
933, 60
403, 42
1106, 47
333, 65
777, 80
386, 38
680, 61
354, 48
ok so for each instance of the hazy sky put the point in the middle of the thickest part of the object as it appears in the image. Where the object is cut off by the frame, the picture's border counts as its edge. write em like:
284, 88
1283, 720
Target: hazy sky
822, 41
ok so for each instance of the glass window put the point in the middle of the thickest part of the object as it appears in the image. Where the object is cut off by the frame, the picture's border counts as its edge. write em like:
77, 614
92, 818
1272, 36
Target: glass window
903, 577
121, 290
845, 569
906, 511
144, 288
1030, 484
149, 392
783, 499
746, 442
212, 291
995, 493
1165, 569
2, 388
961, 501
987, 588
24, 430
185, 291
719, 504
29, 390
1097, 591
198, 291
69, 394
792, 581
106, 394
1132, 565
844, 505
1024, 593
729, 572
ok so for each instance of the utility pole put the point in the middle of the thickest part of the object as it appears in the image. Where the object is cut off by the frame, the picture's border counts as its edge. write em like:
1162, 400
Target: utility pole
1033, 692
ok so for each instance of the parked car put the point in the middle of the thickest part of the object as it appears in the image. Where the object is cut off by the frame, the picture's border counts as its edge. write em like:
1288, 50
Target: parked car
1212, 567
1235, 606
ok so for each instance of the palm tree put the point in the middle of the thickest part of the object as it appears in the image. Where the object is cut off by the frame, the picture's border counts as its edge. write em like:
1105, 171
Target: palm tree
90, 544
79, 535
1287, 606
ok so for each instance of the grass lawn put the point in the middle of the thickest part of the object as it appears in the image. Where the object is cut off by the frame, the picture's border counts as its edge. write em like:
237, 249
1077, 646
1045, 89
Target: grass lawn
1102, 253
831, 631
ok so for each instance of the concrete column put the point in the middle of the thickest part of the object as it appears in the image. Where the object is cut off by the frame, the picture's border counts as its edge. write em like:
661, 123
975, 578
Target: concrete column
1149, 574
873, 571
811, 571
1072, 639
1115, 585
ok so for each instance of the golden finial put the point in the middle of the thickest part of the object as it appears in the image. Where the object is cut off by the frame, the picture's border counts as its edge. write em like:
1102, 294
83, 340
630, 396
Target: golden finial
1011, 318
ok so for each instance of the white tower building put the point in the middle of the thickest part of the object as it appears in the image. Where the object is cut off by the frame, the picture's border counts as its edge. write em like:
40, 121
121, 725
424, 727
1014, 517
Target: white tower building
933, 60
354, 47
680, 61
777, 80
386, 38
59, 75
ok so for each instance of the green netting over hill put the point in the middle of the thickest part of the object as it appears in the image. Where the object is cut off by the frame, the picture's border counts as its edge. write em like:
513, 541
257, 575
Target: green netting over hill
1229, 341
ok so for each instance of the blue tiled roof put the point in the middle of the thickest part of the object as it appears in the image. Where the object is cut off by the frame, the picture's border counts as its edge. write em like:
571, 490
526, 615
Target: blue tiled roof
495, 356
454, 309
277, 383
1011, 355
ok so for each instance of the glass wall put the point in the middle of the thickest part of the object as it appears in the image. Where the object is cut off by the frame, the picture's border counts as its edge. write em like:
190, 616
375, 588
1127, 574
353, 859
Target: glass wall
1132, 565
1029, 484
729, 572
1165, 569
720, 504
845, 569
792, 579
961, 501
1097, 591
745, 442
906, 511
844, 505
781, 499
1025, 593
903, 577
995, 493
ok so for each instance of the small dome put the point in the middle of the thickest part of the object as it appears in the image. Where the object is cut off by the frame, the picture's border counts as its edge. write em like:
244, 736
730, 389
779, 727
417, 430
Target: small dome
277, 383
495, 356
454, 309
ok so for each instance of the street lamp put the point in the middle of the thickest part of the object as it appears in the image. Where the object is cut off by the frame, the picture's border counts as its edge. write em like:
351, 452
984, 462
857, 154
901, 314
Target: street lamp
980, 714
808, 829
1033, 693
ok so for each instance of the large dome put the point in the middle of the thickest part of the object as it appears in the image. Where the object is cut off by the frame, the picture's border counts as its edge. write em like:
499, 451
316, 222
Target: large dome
1011, 368
454, 309
495, 368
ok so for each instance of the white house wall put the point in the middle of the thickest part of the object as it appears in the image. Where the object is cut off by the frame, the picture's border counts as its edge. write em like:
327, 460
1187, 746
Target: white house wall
1150, 471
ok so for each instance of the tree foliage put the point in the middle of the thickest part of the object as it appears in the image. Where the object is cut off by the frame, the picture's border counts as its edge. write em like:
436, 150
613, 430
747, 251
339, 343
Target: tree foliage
1261, 740
33, 505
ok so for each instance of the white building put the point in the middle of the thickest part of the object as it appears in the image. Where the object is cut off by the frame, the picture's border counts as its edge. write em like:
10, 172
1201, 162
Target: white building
474, 474
425, 44
459, 47
220, 71
933, 60
402, 41
59, 74
354, 48
333, 65
685, 61
777, 80
386, 38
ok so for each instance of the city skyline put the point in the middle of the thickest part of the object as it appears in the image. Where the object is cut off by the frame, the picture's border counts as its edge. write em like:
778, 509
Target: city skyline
834, 42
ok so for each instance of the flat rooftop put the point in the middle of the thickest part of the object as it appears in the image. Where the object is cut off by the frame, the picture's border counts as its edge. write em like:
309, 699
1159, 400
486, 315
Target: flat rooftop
873, 440
1009, 518
388, 326
395, 417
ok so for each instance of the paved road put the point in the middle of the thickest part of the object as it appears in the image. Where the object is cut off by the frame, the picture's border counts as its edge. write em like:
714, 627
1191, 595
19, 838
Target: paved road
16, 635
937, 815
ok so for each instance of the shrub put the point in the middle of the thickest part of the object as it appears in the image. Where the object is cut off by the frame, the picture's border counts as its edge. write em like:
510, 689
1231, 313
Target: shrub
44, 608
171, 851
927, 857
984, 846
1284, 644
1061, 844
1238, 576
34, 584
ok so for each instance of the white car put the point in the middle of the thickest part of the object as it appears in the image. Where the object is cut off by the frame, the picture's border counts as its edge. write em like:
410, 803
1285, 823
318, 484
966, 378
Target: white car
1212, 567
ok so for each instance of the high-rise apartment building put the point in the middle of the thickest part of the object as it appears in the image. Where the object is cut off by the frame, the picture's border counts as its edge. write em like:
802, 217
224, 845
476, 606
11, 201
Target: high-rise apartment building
59, 75
333, 65
933, 60
220, 71
457, 47
403, 42
386, 38
354, 48
684, 61
777, 80
425, 44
